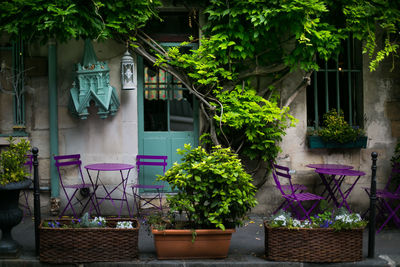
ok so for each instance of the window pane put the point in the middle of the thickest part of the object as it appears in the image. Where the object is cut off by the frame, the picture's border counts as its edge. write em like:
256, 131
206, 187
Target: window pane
343, 81
181, 117
155, 115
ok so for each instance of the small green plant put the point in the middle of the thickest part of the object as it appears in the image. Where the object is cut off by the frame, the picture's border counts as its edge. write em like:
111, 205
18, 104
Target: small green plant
336, 129
214, 191
12, 162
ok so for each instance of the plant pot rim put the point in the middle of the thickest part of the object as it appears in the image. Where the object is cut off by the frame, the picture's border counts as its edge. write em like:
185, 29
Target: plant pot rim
17, 185
186, 231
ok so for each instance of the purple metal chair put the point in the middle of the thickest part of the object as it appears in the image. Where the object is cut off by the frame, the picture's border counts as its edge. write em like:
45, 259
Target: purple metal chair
388, 200
74, 162
294, 200
389, 188
24, 193
298, 188
152, 200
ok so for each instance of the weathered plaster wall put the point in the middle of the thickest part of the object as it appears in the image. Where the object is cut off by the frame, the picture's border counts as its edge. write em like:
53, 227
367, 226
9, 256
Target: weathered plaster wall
382, 120
113, 139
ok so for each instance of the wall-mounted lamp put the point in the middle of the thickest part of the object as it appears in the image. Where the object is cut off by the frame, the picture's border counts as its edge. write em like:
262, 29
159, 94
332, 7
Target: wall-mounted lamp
128, 72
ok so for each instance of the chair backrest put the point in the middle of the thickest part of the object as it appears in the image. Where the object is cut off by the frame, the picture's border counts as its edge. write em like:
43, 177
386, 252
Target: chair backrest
68, 160
151, 160
282, 172
394, 175
390, 182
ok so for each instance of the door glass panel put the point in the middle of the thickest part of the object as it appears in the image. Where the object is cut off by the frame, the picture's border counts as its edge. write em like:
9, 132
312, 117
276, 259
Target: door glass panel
168, 106
181, 109
155, 115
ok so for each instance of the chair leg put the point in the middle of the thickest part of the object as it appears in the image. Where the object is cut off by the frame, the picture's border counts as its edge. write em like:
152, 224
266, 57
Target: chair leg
160, 198
392, 214
136, 202
69, 204
25, 206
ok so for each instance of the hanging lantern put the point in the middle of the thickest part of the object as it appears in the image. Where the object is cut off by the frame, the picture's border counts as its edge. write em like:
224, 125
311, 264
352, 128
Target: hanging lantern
128, 72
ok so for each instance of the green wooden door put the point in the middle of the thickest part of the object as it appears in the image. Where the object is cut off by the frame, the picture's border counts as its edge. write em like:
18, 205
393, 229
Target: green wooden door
167, 117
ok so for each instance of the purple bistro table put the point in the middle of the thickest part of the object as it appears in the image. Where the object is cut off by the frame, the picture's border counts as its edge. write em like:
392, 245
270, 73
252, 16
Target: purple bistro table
329, 184
107, 167
330, 166
337, 177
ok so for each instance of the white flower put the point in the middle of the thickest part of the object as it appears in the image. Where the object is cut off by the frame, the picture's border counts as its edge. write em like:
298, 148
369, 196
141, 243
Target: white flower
100, 221
296, 223
281, 219
124, 225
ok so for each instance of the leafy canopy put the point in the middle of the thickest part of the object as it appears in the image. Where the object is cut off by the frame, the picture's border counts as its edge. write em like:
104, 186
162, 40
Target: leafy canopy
68, 19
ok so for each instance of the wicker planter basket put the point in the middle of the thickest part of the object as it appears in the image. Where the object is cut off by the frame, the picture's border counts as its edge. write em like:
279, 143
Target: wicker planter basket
70, 245
313, 245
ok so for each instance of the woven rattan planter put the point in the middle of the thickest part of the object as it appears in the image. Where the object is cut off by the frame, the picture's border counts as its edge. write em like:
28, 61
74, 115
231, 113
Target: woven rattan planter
313, 245
70, 245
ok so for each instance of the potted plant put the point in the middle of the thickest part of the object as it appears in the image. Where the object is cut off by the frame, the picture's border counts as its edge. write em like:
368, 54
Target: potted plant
328, 237
12, 179
336, 133
88, 240
214, 193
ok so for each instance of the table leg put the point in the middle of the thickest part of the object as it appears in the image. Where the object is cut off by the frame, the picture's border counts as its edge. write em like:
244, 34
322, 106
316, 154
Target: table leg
347, 193
328, 187
93, 196
124, 197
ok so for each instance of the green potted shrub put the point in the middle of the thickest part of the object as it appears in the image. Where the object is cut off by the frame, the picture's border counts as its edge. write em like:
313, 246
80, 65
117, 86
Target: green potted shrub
336, 133
13, 178
214, 194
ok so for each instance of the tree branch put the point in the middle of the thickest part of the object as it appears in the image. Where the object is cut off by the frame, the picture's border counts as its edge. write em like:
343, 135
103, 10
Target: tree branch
306, 81
262, 70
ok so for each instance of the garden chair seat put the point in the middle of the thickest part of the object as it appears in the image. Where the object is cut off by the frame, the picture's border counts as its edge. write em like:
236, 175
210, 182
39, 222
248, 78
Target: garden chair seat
297, 188
303, 196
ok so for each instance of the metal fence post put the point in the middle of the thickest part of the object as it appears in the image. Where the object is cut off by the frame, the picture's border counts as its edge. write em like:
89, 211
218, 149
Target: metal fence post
372, 204
36, 196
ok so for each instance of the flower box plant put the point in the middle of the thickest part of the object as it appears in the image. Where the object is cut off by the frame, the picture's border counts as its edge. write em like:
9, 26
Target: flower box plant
214, 193
328, 237
336, 133
88, 240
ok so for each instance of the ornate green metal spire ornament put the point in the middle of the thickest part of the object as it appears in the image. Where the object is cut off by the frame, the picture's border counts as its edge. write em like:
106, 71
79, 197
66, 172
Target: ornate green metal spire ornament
92, 84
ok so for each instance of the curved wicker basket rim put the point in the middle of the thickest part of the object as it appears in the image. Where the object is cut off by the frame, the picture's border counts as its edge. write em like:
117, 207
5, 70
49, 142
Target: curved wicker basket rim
311, 229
